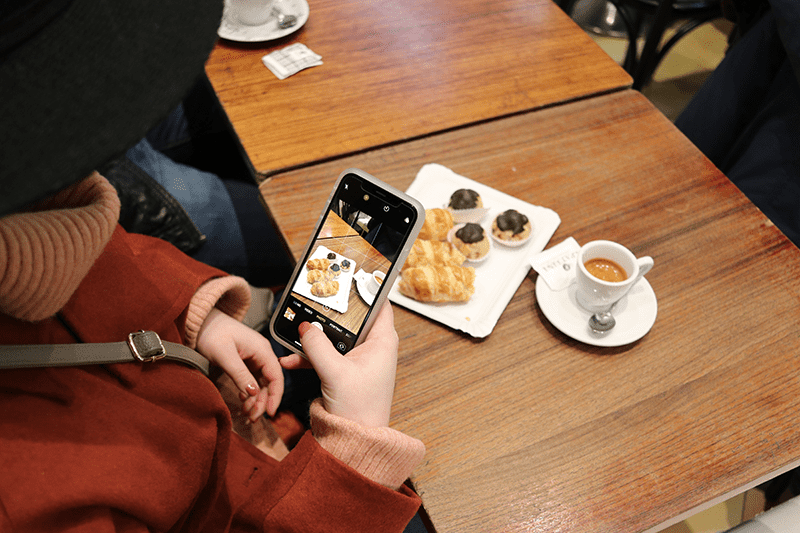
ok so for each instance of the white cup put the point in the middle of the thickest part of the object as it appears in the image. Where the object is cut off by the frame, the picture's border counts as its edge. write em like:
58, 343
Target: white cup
375, 281
597, 295
251, 12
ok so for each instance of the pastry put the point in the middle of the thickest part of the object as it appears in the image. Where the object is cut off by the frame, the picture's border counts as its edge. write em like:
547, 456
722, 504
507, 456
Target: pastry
345, 265
331, 256
437, 223
465, 199
512, 226
325, 288
438, 283
472, 241
314, 276
318, 264
335, 270
433, 253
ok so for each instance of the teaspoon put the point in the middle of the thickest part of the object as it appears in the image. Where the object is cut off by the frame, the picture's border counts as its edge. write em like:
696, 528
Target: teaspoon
284, 21
603, 321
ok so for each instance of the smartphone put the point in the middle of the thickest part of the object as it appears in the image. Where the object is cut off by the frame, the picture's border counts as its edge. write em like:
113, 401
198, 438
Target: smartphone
345, 273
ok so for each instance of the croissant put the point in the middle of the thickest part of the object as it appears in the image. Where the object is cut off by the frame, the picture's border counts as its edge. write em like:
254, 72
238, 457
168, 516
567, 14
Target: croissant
318, 264
325, 288
314, 276
438, 283
437, 223
433, 253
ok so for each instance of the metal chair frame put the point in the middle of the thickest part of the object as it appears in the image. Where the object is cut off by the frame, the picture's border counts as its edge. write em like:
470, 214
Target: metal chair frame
664, 14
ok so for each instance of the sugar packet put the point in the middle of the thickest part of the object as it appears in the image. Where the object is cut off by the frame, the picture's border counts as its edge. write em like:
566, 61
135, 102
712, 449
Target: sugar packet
291, 60
557, 264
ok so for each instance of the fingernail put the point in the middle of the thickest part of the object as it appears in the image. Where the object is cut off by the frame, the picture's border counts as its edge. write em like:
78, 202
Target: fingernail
251, 388
303, 328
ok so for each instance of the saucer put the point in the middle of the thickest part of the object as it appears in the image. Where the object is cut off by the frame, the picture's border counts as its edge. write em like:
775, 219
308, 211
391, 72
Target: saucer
234, 30
635, 314
362, 280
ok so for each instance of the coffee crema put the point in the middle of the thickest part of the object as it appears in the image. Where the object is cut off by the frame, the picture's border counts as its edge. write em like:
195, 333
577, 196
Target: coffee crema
605, 269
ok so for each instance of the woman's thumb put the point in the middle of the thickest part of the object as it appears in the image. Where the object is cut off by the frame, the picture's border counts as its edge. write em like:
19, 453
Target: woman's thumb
317, 346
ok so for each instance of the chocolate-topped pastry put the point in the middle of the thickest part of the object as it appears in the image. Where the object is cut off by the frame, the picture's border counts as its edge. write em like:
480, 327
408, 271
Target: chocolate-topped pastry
472, 241
465, 199
470, 233
335, 270
511, 225
331, 256
512, 221
345, 265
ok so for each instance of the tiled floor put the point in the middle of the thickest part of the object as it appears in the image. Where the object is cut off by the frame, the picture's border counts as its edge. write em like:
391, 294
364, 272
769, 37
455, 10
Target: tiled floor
677, 78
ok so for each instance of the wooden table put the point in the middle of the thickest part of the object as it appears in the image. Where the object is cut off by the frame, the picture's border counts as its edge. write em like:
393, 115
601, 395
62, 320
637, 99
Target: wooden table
399, 69
529, 430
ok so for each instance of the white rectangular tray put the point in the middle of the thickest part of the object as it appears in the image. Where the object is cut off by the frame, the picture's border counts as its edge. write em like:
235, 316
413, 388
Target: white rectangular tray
498, 277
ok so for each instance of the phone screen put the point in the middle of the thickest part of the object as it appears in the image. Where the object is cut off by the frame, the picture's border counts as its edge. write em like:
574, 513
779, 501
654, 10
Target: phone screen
364, 231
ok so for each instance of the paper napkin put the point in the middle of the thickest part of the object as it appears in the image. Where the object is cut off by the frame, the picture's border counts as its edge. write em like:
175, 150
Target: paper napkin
291, 60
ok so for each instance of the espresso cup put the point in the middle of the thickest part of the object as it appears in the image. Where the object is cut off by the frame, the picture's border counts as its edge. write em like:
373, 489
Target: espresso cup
613, 262
375, 281
251, 12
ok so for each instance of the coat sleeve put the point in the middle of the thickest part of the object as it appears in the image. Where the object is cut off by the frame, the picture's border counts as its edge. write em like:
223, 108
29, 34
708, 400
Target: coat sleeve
141, 282
312, 491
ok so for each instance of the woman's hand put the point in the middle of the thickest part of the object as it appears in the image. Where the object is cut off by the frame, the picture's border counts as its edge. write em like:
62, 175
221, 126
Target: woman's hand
358, 386
243, 353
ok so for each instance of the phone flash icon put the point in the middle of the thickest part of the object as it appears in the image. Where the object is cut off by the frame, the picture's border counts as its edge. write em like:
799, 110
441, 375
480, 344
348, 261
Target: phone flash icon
407, 220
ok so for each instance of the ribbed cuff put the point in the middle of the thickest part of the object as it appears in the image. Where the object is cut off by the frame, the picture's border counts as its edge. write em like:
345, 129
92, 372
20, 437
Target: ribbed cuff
230, 294
382, 454
46, 253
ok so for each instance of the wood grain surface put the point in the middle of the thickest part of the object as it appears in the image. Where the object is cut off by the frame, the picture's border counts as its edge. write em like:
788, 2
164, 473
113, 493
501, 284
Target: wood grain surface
396, 70
529, 430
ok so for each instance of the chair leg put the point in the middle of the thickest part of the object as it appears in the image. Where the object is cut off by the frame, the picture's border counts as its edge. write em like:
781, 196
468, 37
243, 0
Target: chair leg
645, 68
566, 5
633, 24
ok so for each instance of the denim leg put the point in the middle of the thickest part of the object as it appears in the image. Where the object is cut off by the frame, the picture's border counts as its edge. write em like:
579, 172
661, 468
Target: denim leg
171, 131
207, 202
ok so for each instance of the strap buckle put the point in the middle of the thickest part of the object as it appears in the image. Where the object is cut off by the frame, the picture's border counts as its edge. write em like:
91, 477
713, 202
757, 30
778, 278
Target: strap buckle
146, 346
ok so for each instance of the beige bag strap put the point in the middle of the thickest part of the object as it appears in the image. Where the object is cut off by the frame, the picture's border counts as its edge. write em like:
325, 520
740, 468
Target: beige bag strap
142, 346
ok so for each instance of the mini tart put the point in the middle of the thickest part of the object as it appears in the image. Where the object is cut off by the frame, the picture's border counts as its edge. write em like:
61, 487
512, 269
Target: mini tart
345, 264
332, 256
335, 270
511, 226
472, 241
465, 199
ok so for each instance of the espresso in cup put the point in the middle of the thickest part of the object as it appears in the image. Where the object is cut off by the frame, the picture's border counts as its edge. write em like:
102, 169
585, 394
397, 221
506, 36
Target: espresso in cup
606, 269
375, 281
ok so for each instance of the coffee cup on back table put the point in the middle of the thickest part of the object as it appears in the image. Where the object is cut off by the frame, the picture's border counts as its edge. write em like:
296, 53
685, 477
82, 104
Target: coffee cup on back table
375, 281
606, 272
251, 12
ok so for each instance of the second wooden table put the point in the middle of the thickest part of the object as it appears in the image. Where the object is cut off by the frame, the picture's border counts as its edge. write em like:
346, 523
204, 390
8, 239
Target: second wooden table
400, 69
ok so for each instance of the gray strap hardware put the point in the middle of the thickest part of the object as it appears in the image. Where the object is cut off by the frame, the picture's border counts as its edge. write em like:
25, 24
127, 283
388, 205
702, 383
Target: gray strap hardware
141, 346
